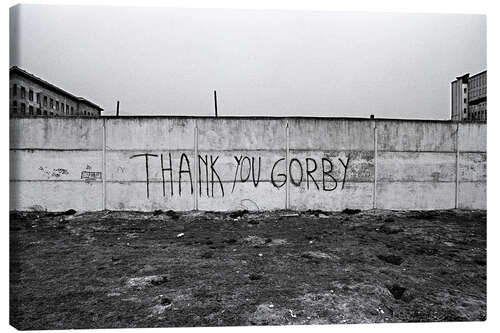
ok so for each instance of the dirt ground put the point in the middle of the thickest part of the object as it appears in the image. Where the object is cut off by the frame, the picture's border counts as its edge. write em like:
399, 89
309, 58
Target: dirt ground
130, 269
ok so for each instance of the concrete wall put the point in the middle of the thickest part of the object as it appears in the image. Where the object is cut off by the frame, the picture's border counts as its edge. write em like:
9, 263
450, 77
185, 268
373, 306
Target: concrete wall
185, 163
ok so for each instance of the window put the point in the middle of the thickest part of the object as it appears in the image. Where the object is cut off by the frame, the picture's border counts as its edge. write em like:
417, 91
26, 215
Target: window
30, 110
14, 107
62, 107
465, 111
14, 90
38, 98
39, 111
30, 95
44, 112
465, 100
51, 113
57, 105
67, 109
23, 92
72, 110
23, 108
51, 103
44, 100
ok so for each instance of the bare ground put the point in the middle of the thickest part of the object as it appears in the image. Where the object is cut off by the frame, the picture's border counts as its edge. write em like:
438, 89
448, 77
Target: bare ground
130, 269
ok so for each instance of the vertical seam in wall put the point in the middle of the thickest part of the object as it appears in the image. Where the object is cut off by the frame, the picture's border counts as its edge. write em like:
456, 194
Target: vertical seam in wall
104, 164
287, 156
375, 159
457, 166
196, 166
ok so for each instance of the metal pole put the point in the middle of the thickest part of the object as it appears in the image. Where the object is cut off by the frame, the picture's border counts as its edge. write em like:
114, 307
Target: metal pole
215, 101
117, 108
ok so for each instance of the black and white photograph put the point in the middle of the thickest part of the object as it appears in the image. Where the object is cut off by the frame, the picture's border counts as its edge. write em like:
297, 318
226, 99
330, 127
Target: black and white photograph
207, 167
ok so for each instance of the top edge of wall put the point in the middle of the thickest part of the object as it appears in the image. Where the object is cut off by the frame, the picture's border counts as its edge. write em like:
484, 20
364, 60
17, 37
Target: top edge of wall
245, 117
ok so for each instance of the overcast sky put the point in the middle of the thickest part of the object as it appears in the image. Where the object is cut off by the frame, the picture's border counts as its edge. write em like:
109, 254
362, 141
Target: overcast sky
273, 63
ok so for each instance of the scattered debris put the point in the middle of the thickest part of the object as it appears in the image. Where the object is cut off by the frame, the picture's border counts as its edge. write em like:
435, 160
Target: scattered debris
70, 212
254, 241
351, 211
391, 259
430, 251
480, 262
180, 235
164, 300
315, 212
147, 268
159, 309
277, 242
423, 215
157, 212
293, 315
173, 215
146, 281
238, 213
316, 255
207, 255
397, 291
265, 315
390, 229
112, 294
254, 277
290, 215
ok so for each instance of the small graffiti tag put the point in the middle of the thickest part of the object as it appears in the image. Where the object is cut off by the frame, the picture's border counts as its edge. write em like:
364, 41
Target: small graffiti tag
53, 172
91, 175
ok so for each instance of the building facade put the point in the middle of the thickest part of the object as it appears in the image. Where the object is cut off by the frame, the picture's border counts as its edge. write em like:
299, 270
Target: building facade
32, 96
468, 98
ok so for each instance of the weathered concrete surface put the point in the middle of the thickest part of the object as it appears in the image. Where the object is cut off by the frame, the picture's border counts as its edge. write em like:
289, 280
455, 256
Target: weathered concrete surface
245, 163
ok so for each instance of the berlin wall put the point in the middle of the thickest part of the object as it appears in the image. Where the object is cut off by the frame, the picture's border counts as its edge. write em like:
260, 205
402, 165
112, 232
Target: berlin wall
255, 163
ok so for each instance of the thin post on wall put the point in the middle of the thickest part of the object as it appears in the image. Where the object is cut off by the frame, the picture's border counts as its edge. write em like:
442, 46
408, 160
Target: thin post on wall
117, 108
215, 103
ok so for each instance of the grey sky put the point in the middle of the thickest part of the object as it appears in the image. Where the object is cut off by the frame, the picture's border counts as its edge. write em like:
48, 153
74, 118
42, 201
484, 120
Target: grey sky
169, 61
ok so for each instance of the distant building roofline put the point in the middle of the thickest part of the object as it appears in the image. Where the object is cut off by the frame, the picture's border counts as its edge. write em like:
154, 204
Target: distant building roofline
466, 77
477, 74
15, 69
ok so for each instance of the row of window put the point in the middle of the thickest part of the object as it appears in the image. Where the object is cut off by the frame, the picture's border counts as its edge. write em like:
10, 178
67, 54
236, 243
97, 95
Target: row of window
476, 82
31, 110
479, 115
50, 102
478, 92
